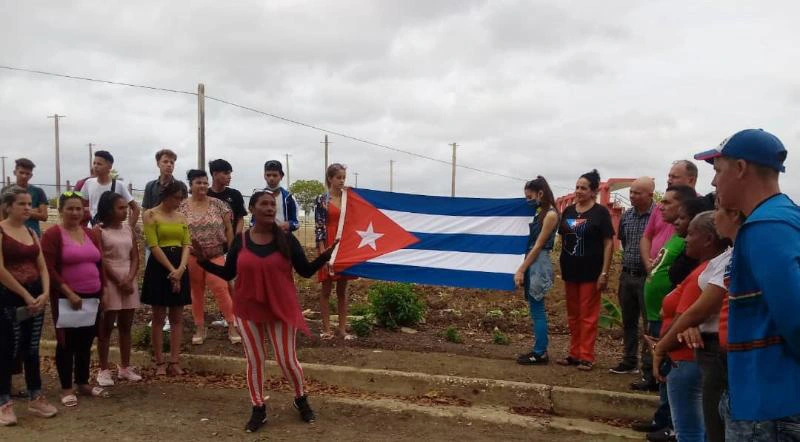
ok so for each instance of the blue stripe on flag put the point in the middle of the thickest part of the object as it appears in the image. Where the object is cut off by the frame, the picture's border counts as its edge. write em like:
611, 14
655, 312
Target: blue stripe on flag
445, 205
425, 275
465, 242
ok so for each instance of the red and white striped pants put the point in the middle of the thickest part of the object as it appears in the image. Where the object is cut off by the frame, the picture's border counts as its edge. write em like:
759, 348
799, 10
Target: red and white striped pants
282, 337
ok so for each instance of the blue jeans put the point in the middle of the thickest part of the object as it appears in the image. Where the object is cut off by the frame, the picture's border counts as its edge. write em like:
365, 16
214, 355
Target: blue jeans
539, 279
662, 416
786, 429
685, 391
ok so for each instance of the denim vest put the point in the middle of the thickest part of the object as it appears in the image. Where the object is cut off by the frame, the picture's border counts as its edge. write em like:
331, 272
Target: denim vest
536, 228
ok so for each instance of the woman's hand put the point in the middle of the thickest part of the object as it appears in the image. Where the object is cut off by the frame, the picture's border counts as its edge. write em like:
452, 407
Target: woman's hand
519, 278
176, 274
691, 337
602, 282
76, 302
176, 286
329, 251
658, 359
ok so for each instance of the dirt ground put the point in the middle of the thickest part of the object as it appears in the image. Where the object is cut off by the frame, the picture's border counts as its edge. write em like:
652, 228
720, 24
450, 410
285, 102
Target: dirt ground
173, 410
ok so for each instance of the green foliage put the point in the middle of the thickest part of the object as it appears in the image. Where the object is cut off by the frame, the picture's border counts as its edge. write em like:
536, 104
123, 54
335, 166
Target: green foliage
140, 338
395, 304
519, 313
610, 314
495, 314
452, 335
362, 327
305, 192
53, 203
500, 338
360, 309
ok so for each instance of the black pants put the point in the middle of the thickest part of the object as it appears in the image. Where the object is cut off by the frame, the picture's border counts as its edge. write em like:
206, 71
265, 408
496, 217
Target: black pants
715, 381
631, 302
19, 340
75, 352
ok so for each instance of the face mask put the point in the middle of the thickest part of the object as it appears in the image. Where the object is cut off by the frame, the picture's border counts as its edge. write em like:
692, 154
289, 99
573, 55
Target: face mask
534, 204
273, 189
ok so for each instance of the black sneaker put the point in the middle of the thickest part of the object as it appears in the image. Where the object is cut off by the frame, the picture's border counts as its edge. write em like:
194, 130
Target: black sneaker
646, 426
645, 384
624, 368
568, 361
533, 359
663, 435
257, 419
306, 413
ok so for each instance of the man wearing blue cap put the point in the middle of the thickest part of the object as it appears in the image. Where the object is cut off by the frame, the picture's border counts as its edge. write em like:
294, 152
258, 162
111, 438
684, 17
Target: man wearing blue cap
763, 400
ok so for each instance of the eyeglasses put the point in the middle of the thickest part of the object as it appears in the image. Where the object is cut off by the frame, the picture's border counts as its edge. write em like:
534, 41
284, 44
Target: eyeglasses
70, 193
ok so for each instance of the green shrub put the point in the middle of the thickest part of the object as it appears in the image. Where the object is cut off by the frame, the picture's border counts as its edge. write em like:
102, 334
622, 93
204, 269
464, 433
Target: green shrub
452, 335
362, 327
610, 314
360, 310
395, 304
140, 337
495, 314
500, 338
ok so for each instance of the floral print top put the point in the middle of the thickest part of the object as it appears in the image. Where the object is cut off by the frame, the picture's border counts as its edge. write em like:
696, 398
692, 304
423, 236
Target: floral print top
207, 227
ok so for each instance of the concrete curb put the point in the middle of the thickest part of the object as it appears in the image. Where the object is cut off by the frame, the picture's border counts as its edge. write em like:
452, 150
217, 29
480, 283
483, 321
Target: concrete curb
561, 401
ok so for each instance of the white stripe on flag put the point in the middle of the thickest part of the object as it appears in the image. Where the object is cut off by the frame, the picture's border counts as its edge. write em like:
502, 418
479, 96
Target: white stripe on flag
473, 262
478, 225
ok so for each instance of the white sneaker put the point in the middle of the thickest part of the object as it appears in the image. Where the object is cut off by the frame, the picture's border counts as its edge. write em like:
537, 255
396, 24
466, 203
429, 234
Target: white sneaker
104, 378
128, 374
7, 415
166, 327
220, 323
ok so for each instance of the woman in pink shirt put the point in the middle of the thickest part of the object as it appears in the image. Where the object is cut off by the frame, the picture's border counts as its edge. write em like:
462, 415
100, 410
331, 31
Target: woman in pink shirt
72, 254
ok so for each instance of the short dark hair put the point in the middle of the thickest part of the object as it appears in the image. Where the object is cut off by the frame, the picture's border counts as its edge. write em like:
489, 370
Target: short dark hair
695, 206
683, 193
24, 163
194, 174
106, 155
219, 165
273, 165
593, 178
166, 152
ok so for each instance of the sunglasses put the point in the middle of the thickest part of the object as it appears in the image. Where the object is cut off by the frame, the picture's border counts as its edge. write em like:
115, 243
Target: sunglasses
71, 193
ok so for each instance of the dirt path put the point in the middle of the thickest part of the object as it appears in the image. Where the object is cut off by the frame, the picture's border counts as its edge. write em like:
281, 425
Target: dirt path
178, 412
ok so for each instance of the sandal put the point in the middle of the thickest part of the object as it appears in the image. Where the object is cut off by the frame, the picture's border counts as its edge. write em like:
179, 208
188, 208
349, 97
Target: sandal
94, 392
585, 366
161, 369
174, 369
69, 400
199, 338
568, 361
235, 337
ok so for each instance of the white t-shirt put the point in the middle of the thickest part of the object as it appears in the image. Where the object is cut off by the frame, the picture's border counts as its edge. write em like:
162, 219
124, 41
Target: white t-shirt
714, 274
94, 190
279, 216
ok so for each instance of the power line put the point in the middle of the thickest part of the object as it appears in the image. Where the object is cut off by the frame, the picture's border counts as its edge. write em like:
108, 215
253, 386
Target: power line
267, 114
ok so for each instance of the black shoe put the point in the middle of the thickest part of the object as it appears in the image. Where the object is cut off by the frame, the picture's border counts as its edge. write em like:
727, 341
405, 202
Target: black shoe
533, 359
646, 427
645, 385
663, 435
257, 419
306, 413
568, 361
624, 368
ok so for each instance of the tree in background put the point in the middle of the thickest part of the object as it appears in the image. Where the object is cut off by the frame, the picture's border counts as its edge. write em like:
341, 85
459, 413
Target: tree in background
305, 191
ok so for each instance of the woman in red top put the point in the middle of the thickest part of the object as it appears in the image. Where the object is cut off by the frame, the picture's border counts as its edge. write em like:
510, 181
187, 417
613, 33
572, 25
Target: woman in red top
74, 262
24, 288
261, 259
326, 214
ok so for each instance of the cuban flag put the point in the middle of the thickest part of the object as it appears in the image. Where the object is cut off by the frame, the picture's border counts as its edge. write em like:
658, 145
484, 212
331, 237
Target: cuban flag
459, 242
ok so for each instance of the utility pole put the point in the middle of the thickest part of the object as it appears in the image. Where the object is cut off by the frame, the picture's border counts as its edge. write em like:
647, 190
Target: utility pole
55, 117
91, 159
391, 175
325, 172
354, 173
4, 169
288, 177
453, 176
201, 126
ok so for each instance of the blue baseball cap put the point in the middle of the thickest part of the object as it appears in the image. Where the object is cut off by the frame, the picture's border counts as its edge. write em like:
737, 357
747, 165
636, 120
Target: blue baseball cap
752, 145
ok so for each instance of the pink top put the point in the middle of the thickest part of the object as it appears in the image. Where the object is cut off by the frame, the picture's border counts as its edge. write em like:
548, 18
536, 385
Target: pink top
658, 231
79, 264
207, 227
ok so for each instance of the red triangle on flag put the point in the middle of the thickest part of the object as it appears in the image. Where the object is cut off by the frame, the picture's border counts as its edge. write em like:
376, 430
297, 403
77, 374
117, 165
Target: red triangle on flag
367, 233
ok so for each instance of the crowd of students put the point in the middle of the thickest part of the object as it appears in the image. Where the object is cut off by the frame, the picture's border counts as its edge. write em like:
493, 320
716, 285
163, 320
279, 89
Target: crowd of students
714, 279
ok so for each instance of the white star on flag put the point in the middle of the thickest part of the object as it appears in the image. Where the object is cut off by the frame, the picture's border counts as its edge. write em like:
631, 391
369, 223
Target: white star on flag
368, 237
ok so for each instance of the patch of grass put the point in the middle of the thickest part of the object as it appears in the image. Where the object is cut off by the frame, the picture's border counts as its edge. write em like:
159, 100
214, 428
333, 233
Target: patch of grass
362, 327
500, 338
452, 335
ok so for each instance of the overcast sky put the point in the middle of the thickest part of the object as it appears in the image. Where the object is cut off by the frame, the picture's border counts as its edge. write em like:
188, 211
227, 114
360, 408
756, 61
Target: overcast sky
525, 88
